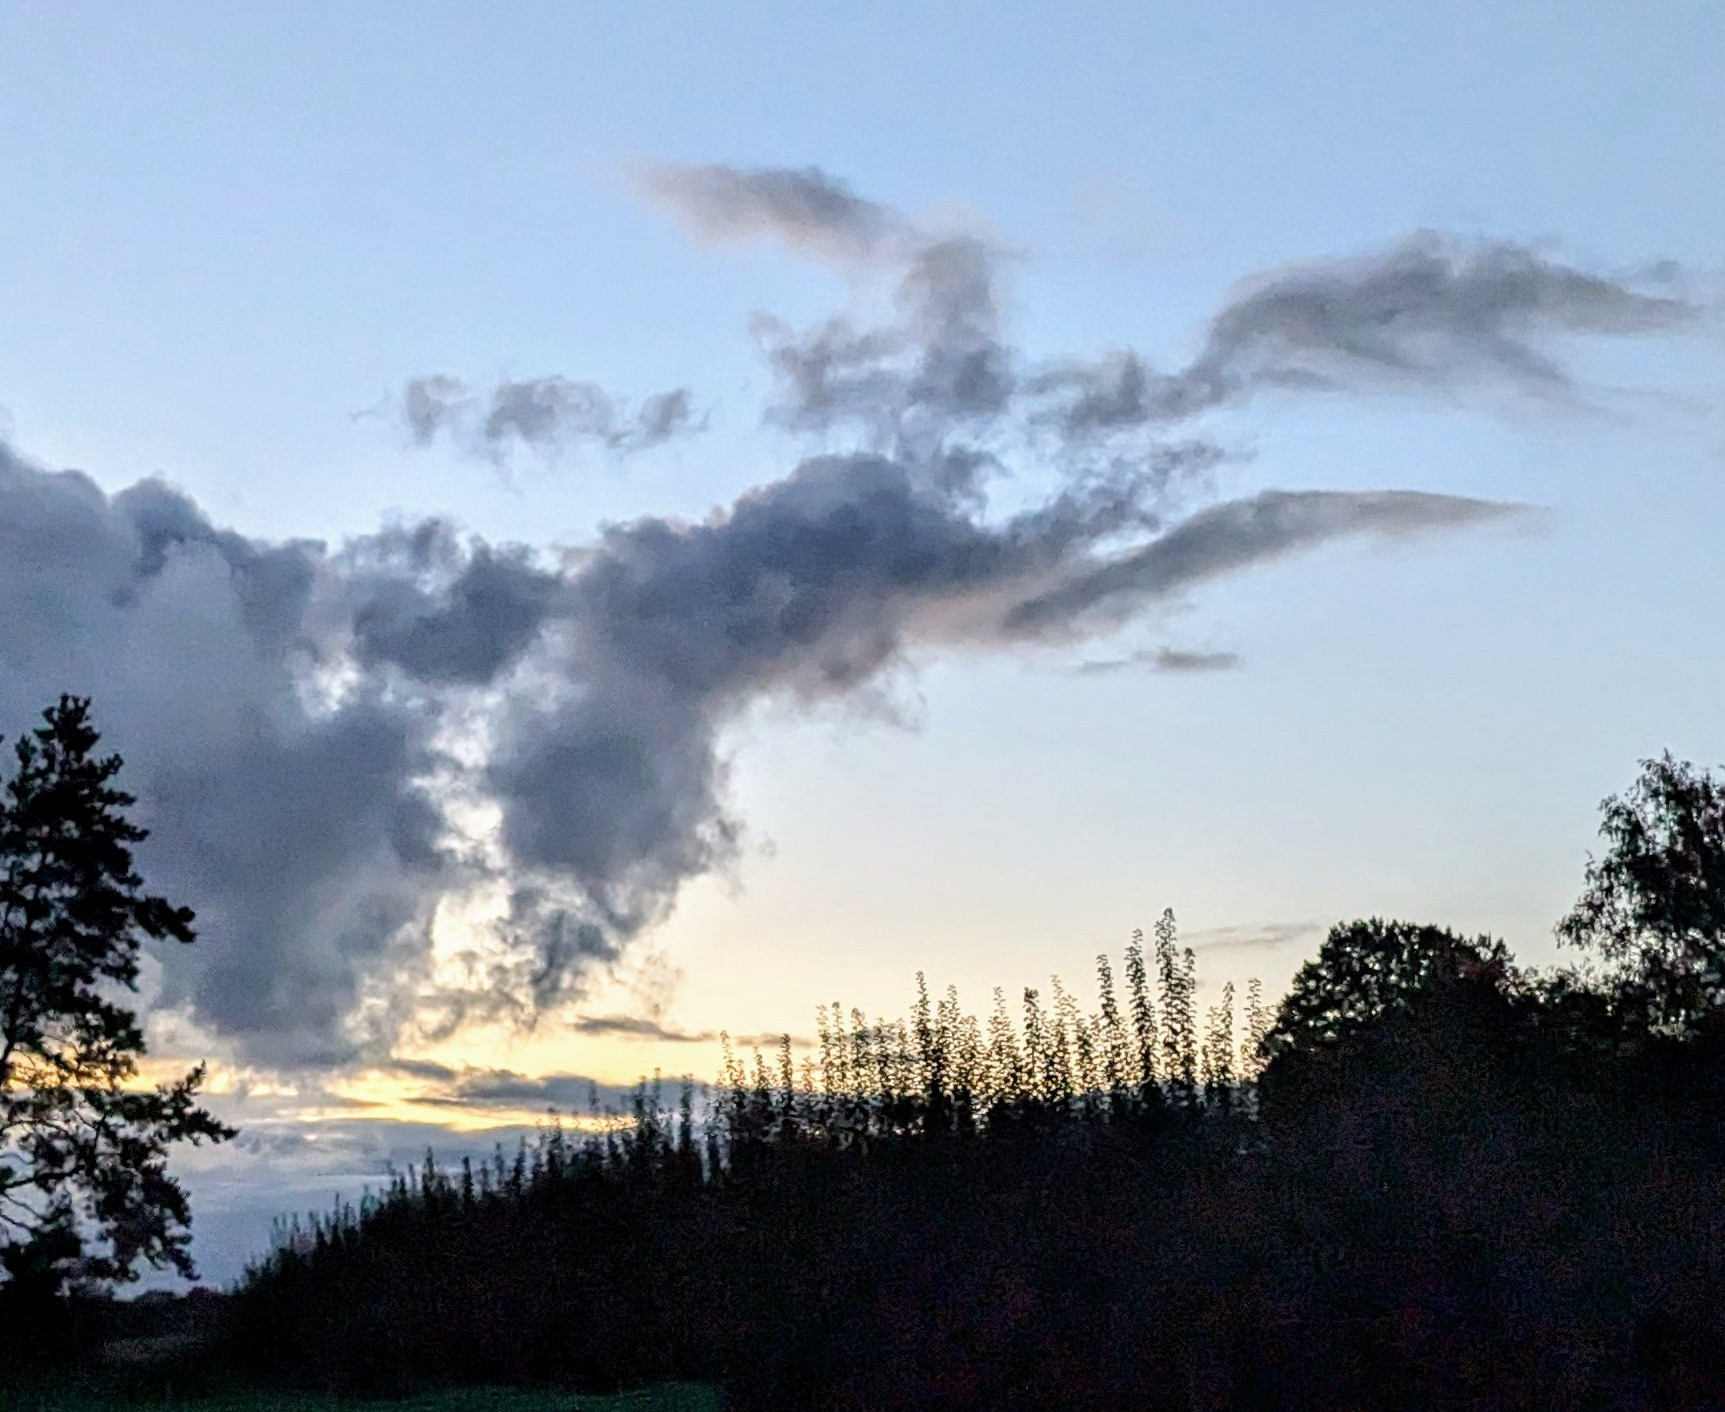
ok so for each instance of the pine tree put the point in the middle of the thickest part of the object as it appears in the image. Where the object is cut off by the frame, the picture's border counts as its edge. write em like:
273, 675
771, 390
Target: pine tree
84, 1188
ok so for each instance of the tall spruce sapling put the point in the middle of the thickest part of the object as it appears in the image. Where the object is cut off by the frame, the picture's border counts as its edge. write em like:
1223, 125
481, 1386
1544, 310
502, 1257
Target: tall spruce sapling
84, 1191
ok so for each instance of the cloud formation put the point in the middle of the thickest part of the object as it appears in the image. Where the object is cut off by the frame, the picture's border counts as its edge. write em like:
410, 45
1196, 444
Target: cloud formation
1427, 313
416, 780
940, 361
638, 1027
1164, 659
314, 731
805, 208
547, 414
302, 836
1238, 534
1259, 938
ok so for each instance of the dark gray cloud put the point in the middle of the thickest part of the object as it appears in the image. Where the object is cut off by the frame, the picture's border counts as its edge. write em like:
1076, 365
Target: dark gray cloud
661, 417
767, 1041
441, 612
610, 783
939, 368
434, 404
1175, 659
310, 729
301, 836
547, 414
337, 747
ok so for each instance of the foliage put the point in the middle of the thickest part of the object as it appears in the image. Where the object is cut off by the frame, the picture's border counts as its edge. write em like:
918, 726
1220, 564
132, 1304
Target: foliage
765, 1245
84, 1190
1471, 1199
1428, 1179
1369, 971
1654, 905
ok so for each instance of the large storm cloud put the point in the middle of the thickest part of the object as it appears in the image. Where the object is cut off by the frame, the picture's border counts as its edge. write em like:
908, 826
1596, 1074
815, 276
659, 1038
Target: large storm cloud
344, 750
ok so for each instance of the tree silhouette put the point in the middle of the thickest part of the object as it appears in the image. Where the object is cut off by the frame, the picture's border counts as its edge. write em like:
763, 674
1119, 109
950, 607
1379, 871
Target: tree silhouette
1367, 971
1176, 972
1654, 905
1460, 1189
84, 1190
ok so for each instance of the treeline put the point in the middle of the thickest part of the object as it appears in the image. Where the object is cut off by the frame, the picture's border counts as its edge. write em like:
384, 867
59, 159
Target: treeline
758, 1232
1430, 1179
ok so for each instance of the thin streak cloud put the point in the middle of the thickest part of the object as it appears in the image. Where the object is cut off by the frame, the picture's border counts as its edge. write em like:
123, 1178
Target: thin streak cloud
1164, 659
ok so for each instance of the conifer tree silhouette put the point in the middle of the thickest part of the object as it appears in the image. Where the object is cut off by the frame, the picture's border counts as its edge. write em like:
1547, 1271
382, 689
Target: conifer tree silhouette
84, 1188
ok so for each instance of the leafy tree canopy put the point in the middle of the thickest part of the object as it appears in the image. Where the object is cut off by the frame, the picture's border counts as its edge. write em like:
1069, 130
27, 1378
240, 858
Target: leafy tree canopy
1654, 905
1368, 971
84, 1188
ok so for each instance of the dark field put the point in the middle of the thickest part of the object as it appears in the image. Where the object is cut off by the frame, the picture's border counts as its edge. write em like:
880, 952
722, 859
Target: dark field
666, 1399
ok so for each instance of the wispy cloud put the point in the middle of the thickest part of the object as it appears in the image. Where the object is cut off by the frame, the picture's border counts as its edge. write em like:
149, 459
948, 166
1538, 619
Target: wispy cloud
806, 208
1264, 937
638, 1027
1163, 659
1238, 534
547, 414
1430, 313
513, 1092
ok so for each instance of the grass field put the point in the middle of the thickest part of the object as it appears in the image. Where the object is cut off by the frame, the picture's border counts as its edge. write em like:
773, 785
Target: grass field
684, 1398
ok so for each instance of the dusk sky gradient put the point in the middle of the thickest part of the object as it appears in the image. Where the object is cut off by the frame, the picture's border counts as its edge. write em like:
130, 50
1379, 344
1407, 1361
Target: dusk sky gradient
918, 487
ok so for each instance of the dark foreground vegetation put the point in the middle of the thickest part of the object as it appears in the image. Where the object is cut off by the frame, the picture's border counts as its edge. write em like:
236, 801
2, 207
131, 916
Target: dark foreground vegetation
1429, 1178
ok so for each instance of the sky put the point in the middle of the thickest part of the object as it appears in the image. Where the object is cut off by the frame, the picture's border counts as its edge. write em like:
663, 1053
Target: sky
595, 526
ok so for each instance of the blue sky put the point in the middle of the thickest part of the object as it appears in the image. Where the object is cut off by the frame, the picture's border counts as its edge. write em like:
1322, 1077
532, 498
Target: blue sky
233, 234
